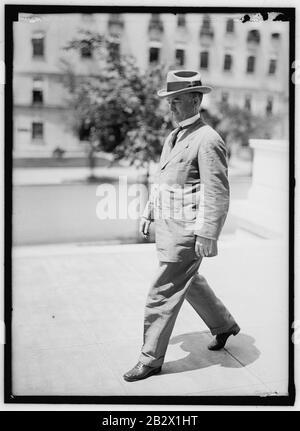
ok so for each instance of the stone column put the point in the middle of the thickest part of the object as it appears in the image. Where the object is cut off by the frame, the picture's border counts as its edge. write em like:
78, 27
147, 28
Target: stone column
265, 212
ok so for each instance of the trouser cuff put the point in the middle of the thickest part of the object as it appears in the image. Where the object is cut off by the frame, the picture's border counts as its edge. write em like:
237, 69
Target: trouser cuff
226, 328
150, 361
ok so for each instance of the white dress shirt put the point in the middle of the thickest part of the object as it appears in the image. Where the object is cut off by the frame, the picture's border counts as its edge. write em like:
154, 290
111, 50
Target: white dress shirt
188, 122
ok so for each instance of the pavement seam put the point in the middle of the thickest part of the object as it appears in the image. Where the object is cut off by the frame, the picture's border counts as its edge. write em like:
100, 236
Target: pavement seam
248, 371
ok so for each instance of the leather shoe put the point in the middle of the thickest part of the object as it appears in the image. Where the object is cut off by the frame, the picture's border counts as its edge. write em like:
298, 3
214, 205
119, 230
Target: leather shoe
140, 371
220, 339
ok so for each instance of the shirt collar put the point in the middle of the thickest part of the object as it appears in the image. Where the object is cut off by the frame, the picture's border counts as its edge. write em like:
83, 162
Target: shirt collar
189, 121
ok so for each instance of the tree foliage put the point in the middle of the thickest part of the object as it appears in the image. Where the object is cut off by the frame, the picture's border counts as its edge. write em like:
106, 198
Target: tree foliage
117, 108
238, 125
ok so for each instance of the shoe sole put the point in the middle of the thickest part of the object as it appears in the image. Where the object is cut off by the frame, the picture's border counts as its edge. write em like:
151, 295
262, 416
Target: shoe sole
151, 373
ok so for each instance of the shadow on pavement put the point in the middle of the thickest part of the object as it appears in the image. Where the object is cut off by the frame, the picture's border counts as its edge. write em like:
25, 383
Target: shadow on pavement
199, 356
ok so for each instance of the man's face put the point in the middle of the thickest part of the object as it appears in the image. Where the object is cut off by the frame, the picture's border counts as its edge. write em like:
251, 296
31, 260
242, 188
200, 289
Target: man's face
182, 106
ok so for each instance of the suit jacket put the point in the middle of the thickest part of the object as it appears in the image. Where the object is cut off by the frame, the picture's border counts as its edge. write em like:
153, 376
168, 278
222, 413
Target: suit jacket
190, 194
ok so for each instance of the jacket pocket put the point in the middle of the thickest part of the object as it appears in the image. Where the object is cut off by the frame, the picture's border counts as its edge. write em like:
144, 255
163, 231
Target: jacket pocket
175, 174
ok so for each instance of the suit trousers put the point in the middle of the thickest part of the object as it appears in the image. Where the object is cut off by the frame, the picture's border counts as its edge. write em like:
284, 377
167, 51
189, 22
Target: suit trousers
174, 282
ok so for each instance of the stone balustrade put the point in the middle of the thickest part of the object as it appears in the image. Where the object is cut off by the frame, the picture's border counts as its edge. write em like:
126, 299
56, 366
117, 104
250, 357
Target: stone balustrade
266, 211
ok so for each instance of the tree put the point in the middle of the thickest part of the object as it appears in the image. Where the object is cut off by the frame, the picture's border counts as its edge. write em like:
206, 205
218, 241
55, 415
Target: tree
116, 108
237, 125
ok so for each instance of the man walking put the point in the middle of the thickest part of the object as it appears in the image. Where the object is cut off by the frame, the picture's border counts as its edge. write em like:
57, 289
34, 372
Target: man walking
188, 205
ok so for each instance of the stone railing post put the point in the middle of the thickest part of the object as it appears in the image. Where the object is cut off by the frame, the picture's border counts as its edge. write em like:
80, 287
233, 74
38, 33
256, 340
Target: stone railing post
265, 212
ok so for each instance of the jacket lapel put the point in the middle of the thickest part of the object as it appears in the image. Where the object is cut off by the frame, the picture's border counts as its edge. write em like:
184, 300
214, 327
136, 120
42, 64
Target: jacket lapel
181, 143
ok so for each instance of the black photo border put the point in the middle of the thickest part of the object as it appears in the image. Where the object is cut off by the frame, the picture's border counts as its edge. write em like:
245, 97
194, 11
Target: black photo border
11, 15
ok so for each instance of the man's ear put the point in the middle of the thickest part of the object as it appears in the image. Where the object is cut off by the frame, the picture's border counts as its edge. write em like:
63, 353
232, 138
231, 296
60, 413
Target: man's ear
197, 99
200, 98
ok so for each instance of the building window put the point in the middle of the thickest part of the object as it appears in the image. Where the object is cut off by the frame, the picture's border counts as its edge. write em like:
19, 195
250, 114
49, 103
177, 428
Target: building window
206, 22
38, 45
228, 62
156, 23
37, 97
37, 131
248, 103
154, 53
230, 26
253, 36
272, 66
88, 17
84, 130
206, 28
251, 64
224, 97
275, 36
204, 60
181, 22
180, 57
115, 18
269, 106
86, 49
37, 91
114, 50
115, 24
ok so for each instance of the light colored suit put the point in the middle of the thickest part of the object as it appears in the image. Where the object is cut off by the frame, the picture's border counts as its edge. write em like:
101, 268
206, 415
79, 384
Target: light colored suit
190, 197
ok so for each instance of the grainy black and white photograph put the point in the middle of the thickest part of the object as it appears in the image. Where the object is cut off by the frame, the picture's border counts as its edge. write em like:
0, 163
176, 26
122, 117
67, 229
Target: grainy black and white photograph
150, 203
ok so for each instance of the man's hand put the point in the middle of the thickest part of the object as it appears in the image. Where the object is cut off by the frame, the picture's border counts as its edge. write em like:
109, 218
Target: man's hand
144, 227
205, 247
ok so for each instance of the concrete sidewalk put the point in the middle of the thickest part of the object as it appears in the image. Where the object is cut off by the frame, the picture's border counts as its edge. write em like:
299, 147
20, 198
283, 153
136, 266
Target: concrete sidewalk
78, 321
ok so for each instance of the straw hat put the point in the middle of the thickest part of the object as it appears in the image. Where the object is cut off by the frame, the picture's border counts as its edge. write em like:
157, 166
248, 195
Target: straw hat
183, 81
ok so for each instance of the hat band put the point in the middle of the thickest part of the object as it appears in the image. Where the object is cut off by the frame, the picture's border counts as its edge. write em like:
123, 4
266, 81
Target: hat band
174, 86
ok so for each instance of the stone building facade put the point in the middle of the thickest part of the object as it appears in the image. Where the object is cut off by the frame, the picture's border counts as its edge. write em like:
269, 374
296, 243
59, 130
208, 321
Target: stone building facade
245, 63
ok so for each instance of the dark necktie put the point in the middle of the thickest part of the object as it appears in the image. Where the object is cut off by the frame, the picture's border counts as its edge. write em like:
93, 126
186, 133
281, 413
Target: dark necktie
175, 135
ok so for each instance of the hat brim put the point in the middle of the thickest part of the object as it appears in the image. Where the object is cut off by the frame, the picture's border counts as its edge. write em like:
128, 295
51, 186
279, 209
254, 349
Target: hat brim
200, 89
